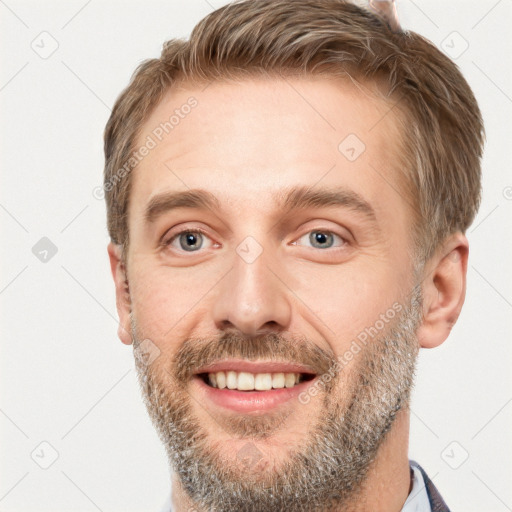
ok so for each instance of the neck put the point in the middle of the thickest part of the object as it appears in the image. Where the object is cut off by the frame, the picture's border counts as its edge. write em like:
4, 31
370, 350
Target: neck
388, 482
385, 489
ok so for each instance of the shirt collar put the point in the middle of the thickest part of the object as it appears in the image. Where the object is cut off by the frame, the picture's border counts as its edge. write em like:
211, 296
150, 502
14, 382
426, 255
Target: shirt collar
417, 501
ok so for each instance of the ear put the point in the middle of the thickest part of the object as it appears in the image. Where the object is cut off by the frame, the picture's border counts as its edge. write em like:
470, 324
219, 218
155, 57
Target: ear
444, 290
123, 301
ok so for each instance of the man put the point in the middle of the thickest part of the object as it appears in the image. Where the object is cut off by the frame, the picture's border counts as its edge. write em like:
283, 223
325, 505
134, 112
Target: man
287, 196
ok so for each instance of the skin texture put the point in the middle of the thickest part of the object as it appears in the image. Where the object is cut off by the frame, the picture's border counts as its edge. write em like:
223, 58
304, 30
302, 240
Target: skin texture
247, 144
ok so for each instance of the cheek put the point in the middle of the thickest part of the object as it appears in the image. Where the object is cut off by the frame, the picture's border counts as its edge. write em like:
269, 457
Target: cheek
163, 298
348, 299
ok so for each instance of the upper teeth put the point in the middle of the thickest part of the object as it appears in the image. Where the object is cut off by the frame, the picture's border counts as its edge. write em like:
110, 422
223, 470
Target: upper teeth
245, 381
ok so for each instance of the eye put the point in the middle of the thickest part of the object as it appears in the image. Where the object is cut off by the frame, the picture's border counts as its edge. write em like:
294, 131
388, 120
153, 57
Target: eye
188, 240
322, 239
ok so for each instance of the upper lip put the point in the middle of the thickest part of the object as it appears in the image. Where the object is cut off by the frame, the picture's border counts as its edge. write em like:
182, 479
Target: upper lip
243, 365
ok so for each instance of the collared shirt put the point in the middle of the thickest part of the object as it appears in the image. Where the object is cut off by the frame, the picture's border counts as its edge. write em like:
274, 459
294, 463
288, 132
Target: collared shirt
422, 498
417, 501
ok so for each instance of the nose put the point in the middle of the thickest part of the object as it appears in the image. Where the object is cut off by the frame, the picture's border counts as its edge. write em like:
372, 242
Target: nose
252, 299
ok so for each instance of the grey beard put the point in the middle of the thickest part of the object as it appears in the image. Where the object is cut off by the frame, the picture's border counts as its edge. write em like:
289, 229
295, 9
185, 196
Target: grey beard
328, 471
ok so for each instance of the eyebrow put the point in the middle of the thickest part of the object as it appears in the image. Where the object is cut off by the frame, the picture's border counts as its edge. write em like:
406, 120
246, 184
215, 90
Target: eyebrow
303, 197
291, 199
167, 201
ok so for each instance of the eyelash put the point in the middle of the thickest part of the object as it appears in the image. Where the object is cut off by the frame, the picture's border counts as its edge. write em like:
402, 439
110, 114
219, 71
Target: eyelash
168, 242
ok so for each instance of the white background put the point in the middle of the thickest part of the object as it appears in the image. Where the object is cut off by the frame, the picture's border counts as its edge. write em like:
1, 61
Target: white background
65, 377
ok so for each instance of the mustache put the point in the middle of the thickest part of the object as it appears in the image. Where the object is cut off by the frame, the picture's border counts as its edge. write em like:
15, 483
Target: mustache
197, 352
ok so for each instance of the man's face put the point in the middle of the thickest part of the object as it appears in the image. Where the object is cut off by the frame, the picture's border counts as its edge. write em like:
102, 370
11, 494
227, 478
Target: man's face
278, 281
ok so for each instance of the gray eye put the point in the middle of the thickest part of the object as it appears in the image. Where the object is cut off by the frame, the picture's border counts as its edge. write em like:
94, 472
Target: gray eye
321, 239
190, 240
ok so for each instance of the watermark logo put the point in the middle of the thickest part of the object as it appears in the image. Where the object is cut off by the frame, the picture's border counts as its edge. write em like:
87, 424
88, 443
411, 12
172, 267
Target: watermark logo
351, 147
455, 455
44, 455
249, 249
249, 455
146, 352
45, 45
44, 250
454, 45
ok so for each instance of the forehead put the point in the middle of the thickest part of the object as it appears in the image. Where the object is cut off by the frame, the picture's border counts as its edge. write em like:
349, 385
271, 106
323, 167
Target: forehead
258, 136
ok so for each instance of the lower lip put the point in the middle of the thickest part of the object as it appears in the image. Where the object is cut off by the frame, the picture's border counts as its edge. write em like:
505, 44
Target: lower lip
251, 401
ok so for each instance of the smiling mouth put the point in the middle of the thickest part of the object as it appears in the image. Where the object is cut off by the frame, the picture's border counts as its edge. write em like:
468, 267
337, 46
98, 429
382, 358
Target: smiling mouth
246, 381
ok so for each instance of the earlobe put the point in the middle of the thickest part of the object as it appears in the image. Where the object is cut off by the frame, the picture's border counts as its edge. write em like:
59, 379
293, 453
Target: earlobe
123, 301
444, 290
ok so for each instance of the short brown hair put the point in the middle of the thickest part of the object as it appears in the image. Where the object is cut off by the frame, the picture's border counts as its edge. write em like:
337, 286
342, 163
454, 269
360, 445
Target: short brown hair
442, 132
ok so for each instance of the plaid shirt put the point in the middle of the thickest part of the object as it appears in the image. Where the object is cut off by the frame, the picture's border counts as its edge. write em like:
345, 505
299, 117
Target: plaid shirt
436, 502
